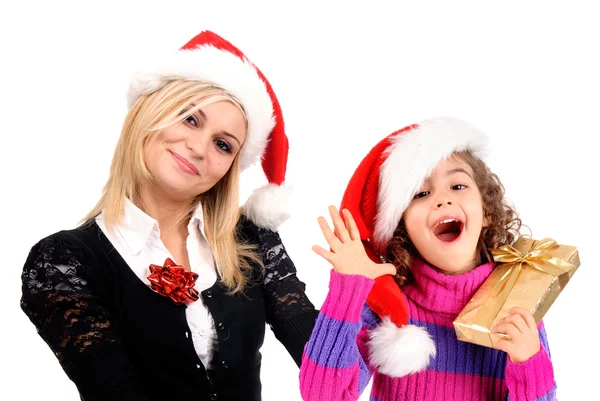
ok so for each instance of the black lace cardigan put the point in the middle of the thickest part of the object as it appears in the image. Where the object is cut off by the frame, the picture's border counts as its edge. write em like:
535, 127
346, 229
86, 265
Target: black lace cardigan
117, 339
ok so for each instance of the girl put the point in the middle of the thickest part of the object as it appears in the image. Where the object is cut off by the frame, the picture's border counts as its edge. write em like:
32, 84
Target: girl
163, 293
424, 202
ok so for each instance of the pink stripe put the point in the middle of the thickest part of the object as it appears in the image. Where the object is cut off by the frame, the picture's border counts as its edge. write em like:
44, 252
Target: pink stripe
424, 315
439, 386
328, 384
347, 296
531, 379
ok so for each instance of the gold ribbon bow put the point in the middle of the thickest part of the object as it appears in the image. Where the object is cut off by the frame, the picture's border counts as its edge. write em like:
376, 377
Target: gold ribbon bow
536, 257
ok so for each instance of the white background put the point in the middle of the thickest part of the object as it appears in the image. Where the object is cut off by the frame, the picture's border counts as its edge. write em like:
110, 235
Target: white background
346, 76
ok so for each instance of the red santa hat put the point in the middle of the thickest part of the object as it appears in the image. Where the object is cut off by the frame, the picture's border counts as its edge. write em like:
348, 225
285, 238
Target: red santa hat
210, 58
380, 190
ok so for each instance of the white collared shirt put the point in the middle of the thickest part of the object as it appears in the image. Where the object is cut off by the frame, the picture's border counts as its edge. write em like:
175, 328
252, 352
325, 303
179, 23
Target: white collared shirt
137, 239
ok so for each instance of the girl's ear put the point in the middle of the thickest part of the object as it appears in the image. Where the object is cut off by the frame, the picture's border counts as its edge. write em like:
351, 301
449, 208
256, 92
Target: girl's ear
486, 221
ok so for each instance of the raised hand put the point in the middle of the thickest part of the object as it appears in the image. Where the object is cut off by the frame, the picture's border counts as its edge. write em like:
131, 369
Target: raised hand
524, 341
348, 255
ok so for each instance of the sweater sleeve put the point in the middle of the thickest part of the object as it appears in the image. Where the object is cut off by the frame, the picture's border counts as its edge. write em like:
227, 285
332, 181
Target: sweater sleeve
334, 364
289, 313
532, 380
58, 298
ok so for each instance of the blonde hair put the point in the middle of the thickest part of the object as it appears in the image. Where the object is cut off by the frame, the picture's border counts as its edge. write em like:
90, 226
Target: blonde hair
148, 116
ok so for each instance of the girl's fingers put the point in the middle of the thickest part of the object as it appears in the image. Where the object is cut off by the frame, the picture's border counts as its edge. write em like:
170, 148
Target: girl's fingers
526, 316
509, 329
351, 224
338, 224
324, 253
517, 321
387, 268
330, 237
502, 344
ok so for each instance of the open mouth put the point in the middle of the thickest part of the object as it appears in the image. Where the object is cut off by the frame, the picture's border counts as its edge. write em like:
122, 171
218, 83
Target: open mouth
448, 230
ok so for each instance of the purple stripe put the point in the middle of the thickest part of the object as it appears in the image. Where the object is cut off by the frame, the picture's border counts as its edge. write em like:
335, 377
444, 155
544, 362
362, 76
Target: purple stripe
460, 357
550, 396
370, 320
333, 343
544, 340
364, 368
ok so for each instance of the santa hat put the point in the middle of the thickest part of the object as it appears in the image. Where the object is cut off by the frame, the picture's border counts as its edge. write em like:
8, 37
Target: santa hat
211, 59
380, 190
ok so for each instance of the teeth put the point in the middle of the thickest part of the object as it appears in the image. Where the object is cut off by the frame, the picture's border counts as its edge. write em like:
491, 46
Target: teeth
446, 221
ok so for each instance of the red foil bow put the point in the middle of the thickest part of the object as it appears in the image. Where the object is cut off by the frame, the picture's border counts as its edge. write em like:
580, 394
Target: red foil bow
174, 281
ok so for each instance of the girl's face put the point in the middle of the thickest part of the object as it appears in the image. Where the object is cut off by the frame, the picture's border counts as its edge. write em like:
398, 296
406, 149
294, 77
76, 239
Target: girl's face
445, 218
190, 157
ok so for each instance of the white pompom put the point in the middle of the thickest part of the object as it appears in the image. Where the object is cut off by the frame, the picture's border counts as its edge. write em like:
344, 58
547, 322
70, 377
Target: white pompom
399, 351
267, 206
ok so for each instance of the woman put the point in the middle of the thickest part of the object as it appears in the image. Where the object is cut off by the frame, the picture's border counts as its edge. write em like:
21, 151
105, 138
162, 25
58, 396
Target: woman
164, 291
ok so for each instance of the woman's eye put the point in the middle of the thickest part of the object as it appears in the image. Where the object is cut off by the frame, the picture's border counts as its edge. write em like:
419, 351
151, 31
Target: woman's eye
224, 146
421, 195
191, 119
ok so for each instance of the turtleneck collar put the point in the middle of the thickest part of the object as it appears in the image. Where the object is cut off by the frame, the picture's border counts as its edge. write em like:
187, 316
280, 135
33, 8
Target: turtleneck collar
443, 293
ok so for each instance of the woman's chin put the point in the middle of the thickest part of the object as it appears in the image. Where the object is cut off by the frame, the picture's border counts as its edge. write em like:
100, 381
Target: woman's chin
175, 190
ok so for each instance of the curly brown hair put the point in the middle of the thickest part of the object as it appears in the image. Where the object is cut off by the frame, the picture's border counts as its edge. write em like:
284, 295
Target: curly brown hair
503, 221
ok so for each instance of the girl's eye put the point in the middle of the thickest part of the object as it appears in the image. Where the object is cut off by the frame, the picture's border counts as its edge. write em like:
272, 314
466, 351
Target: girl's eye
458, 187
224, 146
421, 195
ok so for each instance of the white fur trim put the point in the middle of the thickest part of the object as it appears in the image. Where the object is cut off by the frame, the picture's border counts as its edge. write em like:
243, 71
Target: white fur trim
399, 351
267, 206
412, 156
225, 70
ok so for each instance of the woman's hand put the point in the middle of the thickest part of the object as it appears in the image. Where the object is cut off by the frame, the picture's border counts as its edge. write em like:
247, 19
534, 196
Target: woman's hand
348, 255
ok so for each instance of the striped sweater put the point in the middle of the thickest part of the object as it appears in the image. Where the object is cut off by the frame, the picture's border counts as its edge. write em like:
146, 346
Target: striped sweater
335, 363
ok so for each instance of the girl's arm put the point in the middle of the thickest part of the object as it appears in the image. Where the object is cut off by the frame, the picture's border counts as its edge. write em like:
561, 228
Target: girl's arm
334, 364
533, 379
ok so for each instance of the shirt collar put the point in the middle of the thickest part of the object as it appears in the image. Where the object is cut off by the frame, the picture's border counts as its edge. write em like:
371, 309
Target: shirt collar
197, 220
136, 227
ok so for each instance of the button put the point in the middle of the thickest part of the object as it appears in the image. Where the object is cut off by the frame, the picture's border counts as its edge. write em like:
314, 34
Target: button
214, 397
202, 332
221, 326
209, 294
224, 365
198, 366
187, 335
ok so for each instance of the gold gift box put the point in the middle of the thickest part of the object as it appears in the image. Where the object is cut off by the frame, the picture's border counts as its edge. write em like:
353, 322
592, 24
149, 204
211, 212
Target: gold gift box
530, 274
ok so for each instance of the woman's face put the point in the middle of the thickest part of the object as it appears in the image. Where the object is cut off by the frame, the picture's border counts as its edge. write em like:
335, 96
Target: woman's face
191, 156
